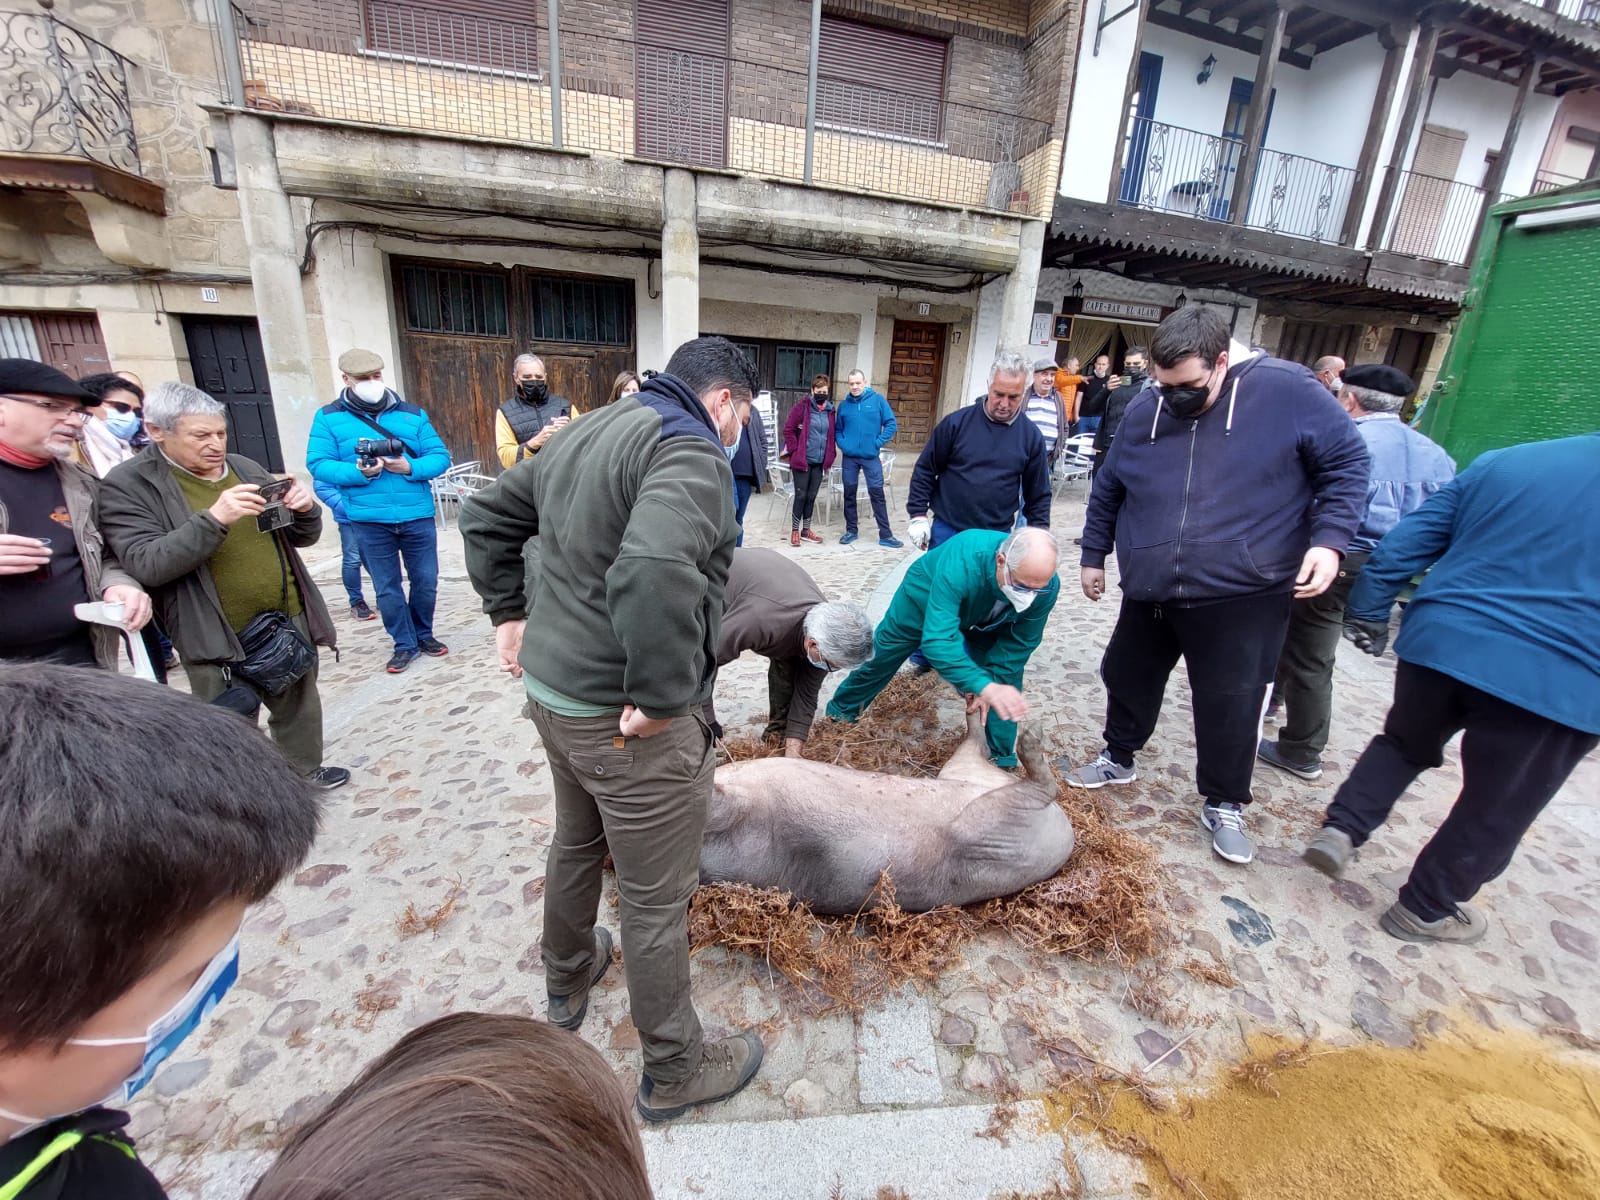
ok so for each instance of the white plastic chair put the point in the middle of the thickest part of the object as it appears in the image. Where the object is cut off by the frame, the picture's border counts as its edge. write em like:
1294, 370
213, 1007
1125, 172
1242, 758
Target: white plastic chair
1075, 462
782, 485
886, 459
455, 485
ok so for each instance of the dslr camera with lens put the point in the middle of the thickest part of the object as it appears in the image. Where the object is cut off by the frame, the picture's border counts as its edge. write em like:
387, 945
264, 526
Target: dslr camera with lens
370, 450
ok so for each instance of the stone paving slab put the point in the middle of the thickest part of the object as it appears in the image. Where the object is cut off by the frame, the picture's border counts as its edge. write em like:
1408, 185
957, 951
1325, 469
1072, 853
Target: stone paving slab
450, 805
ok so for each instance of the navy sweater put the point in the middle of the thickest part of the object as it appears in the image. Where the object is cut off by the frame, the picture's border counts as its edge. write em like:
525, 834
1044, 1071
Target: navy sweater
1226, 504
973, 469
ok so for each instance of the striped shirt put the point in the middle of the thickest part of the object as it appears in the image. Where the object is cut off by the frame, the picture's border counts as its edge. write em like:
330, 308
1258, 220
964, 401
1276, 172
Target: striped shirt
1042, 411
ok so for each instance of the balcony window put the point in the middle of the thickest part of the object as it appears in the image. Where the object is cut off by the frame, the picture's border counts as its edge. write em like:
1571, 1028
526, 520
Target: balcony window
498, 34
854, 54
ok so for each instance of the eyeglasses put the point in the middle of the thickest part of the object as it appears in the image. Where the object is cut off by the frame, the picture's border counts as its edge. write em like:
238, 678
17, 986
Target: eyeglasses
55, 408
1011, 582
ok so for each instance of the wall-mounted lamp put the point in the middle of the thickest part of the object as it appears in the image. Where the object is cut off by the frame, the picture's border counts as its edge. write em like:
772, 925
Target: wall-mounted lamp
1205, 69
1183, 298
1077, 289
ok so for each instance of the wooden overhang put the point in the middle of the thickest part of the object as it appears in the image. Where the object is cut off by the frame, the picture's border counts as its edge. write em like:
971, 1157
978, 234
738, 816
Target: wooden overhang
46, 172
1182, 251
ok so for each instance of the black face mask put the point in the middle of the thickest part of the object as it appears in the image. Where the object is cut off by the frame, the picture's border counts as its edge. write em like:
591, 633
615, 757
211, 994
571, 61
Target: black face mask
821, 398
534, 390
1186, 401
1133, 373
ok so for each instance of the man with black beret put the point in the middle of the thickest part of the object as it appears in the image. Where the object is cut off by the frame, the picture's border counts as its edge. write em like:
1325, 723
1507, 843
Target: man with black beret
1407, 468
52, 557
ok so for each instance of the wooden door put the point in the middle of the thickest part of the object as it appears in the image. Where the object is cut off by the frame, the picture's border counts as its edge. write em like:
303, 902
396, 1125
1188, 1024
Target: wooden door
681, 81
226, 358
71, 342
1410, 350
583, 375
1307, 341
459, 382
916, 373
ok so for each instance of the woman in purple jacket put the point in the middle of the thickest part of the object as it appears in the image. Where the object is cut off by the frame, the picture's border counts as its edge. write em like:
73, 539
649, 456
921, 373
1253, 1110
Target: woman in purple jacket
808, 444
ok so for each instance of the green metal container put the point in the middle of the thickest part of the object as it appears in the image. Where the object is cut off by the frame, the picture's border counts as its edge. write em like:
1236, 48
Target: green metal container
1521, 367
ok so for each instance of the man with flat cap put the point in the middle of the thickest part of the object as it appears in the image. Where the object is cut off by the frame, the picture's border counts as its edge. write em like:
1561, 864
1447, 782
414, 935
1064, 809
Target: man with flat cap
1407, 468
52, 557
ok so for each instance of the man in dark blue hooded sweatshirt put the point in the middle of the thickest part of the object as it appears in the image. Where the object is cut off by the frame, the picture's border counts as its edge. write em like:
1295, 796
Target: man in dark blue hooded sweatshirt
634, 510
1232, 487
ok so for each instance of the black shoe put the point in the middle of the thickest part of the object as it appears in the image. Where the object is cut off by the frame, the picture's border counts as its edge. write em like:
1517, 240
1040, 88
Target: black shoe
569, 1011
432, 647
327, 778
1271, 754
401, 660
362, 611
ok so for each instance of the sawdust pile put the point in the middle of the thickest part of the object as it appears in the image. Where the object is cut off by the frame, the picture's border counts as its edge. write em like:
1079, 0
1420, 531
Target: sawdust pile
1485, 1118
1107, 902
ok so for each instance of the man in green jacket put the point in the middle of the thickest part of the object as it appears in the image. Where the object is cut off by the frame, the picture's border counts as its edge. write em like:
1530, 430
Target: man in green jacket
633, 507
977, 604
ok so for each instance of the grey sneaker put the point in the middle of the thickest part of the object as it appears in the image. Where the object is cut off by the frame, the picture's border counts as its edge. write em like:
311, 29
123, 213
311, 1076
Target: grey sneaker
1228, 838
1272, 754
569, 1011
725, 1067
1100, 772
1330, 850
1465, 926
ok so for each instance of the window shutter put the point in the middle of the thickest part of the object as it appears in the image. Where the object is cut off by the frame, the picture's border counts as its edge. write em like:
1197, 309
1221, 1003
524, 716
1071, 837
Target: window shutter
681, 81
851, 50
495, 33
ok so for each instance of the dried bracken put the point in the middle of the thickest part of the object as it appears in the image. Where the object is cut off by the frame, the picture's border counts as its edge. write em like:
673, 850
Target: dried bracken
1212, 972
412, 922
1106, 903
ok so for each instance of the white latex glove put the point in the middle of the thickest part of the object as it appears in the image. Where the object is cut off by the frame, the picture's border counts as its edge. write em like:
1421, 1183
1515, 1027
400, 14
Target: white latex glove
919, 531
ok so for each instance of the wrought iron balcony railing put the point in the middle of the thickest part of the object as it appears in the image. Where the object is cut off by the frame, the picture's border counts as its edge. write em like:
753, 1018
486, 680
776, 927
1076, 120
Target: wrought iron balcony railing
63, 93
1586, 11
1435, 218
1549, 181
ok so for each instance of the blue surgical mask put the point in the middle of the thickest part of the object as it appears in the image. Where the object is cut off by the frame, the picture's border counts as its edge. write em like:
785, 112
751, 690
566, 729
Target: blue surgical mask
123, 425
163, 1037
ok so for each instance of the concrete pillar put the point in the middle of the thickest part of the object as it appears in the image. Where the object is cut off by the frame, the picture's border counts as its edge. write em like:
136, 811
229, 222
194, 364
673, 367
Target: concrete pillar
274, 241
680, 262
1022, 287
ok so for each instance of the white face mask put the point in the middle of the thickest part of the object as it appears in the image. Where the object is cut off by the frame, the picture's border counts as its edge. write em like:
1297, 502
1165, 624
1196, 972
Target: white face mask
370, 390
1019, 597
163, 1037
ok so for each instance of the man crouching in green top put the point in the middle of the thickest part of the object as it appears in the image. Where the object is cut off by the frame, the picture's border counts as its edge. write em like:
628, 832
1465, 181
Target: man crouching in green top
977, 605
633, 508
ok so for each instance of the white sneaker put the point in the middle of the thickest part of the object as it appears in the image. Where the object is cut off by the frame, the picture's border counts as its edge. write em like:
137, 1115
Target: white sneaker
1228, 838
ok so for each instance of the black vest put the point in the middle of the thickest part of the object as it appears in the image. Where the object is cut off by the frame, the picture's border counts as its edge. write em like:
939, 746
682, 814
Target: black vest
526, 420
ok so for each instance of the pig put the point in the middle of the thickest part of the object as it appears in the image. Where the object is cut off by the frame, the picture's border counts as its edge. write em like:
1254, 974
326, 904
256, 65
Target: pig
825, 833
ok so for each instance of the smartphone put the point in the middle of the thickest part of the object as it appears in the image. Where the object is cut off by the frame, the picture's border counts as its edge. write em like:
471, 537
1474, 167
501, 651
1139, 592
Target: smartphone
276, 515
276, 490
566, 411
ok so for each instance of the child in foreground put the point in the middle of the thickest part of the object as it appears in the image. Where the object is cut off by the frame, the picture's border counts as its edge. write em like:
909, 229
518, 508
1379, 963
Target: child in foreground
473, 1106
136, 827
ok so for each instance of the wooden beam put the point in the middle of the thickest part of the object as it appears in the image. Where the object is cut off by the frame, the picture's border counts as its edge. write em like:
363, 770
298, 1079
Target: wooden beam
1495, 183
1255, 123
1377, 121
1308, 25
1372, 14
1350, 33
1210, 33
1145, 14
1416, 91
1185, 7
1224, 10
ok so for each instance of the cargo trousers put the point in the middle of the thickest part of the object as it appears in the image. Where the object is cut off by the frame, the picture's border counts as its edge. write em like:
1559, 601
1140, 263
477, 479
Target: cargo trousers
645, 801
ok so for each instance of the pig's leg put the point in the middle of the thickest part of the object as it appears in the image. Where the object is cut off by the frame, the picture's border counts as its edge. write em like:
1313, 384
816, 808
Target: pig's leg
971, 764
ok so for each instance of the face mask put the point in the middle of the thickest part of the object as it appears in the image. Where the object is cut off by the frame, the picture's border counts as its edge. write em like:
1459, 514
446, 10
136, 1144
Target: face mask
370, 390
1134, 373
1186, 401
123, 425
821, 398
163, 1037
534, 390
1019, 599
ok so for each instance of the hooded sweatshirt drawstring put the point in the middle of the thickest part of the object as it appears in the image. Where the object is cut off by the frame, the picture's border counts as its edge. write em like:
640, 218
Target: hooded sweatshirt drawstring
1233, 398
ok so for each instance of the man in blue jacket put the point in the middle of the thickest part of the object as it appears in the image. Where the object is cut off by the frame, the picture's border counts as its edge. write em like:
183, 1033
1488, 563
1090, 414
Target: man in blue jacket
387, 496
1407, 468
865, 426
1502, 641
1232, 487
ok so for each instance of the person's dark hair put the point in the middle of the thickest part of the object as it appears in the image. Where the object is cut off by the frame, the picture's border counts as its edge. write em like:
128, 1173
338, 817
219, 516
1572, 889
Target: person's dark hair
709, 363
1193, 330
1132, 350
821, 381
104, 383
623, 379
128, 812
472, 1106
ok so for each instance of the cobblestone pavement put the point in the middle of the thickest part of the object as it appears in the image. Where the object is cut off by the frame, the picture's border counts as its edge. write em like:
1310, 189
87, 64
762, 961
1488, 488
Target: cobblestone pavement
450, 806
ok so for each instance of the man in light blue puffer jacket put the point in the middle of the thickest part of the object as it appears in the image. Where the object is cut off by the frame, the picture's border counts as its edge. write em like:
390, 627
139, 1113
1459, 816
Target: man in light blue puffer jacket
387, 495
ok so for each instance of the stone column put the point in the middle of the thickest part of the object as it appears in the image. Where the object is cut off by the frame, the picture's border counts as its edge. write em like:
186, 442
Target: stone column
680, 262
274, 242
1022, 286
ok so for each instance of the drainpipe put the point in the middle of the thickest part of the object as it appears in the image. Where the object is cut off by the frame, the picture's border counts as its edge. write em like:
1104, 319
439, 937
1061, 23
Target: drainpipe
555, 73
811, 83
232, 68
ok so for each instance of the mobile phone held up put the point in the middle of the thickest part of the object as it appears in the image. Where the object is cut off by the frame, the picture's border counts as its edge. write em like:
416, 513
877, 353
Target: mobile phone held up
276, 515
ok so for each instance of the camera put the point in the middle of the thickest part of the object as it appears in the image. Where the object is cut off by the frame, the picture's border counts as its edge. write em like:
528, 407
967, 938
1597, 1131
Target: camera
370, 450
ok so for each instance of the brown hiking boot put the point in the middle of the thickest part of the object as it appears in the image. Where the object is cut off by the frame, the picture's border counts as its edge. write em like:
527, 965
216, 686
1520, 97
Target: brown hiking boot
1464, 926
725, 1067
794, 538
809, 536
569, 1011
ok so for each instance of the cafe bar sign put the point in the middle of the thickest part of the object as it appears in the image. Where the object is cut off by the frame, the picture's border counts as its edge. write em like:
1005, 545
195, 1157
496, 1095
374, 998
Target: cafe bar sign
1125, 310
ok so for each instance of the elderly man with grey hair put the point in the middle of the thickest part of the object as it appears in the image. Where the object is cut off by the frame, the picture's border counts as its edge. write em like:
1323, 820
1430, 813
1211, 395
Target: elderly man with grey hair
979, 461
190, 522
530, 416
771, 606
977, 605
1407, 468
